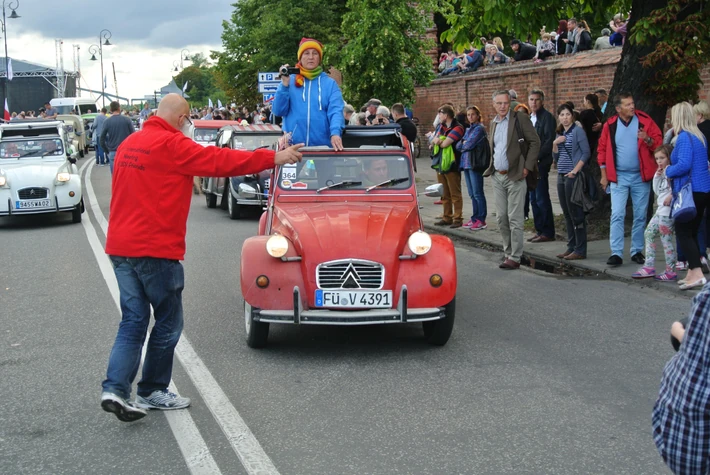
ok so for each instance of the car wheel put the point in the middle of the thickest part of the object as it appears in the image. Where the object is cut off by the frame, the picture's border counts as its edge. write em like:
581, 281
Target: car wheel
235, 211
76, 212
211, 200
257, 332
439, 331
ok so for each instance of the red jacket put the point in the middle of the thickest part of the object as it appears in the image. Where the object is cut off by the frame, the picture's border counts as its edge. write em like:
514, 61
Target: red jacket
152, 188
606, 151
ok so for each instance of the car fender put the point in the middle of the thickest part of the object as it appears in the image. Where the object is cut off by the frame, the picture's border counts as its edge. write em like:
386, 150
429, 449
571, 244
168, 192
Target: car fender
283, 276
415, 274
262, 223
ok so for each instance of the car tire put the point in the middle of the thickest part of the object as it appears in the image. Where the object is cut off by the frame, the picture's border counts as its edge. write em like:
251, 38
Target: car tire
234, 209
438, 332
211, 200
257, 332
76, 212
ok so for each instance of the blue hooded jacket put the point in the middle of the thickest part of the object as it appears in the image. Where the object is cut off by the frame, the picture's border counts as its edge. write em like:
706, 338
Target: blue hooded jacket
313, 113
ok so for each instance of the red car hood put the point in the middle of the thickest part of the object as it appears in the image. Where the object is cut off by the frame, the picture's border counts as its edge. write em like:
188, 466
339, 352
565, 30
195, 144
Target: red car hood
325, 231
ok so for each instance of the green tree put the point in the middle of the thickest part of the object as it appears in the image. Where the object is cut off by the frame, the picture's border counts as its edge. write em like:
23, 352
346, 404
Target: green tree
385, 51
200, 83
264, 34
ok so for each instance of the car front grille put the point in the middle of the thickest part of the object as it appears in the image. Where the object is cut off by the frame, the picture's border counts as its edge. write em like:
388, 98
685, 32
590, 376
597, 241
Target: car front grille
32, 193
350, 274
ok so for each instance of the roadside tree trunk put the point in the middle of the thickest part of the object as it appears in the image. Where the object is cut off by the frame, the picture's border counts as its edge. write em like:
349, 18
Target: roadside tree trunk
633, 78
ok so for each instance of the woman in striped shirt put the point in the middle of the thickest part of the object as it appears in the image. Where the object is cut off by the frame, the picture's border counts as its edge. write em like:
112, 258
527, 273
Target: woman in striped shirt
571, 152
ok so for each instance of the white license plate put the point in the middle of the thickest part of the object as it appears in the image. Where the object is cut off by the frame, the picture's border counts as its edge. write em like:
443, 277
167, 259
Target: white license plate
29, 204
354, 298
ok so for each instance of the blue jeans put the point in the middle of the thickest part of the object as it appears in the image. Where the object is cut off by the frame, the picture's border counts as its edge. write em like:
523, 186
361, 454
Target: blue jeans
541, 205
111, 157
142, 282
628, 184
100, 155
474, 183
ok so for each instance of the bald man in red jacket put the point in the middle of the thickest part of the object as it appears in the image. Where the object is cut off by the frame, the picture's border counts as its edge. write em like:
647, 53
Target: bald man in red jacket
152, 191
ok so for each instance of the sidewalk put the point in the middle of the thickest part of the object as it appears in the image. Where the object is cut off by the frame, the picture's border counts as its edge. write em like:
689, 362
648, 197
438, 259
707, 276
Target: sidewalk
597, 251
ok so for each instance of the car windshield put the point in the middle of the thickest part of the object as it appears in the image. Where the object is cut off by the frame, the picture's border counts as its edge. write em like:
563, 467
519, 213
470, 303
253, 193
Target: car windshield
38, 147
360, 172
254, 141
205, 135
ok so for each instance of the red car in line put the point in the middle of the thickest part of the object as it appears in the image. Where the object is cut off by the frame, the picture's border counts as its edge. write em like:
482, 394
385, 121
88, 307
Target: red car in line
342, 243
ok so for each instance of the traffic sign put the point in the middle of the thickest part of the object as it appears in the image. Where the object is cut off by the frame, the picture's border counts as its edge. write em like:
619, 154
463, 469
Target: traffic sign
269, 77
268, 97
268, 88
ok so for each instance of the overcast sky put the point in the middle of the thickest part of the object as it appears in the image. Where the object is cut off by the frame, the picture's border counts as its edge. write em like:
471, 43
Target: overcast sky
148, 36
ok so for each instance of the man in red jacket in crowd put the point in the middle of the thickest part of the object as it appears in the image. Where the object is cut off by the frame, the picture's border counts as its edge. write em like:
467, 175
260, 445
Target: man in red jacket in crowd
152, 190
625, 155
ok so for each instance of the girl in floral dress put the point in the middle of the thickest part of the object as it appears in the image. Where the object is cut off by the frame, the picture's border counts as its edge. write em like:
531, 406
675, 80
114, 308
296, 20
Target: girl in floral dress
661, 224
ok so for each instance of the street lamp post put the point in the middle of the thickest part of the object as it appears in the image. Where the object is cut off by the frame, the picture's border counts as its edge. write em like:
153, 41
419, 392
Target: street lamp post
104, 35
175, 65
12, 6
184, 56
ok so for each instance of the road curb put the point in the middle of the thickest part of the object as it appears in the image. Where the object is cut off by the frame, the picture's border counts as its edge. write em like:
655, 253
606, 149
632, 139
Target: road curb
532, 257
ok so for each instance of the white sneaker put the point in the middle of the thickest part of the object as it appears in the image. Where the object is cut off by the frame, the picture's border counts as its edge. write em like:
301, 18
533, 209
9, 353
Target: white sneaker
125, 412
162, 400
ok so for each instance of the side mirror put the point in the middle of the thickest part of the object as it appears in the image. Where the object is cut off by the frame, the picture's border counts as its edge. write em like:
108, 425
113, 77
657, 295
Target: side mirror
434, 191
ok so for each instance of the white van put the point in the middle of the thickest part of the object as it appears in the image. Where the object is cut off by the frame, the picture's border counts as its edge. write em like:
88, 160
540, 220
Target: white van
66, 105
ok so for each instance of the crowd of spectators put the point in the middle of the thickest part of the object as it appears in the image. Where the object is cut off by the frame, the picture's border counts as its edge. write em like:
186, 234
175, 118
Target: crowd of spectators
260, 115
572, 36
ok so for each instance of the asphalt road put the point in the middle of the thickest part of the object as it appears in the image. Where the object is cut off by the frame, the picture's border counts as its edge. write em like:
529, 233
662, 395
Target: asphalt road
543, 374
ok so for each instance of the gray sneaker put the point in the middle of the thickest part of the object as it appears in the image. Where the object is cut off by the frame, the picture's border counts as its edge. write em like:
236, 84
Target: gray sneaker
125, 412
163, 400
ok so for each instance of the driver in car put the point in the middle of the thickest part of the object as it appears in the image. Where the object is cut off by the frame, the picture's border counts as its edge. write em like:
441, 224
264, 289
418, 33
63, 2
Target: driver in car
376, 172
49, 147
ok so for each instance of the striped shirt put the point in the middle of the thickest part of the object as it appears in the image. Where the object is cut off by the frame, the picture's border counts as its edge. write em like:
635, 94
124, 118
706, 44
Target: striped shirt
564, 162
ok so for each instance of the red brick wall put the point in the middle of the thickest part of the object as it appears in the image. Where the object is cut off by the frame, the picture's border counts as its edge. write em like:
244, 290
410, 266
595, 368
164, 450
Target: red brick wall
561, 79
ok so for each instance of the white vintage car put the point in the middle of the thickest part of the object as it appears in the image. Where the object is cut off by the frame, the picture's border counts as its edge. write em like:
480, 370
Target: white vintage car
38, 172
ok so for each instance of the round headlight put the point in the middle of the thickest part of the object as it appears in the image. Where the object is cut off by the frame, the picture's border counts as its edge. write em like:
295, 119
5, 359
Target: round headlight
277, 246
419, 243
3, 181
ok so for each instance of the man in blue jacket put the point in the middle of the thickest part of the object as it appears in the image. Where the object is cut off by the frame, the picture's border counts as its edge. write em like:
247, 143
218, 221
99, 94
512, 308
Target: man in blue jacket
311, 103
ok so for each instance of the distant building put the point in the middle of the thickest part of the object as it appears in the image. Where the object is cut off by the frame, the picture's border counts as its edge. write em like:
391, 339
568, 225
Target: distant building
32, 85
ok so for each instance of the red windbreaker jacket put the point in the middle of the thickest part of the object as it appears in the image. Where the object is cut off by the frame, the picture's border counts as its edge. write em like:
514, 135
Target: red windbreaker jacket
152, 188
606, 150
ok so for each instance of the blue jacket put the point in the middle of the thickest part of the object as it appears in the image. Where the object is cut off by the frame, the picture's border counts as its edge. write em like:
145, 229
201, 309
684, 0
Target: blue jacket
689, 157
313, 113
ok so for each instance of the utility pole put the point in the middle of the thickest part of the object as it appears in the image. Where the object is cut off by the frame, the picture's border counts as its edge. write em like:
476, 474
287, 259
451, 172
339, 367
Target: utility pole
115, 82
76, 56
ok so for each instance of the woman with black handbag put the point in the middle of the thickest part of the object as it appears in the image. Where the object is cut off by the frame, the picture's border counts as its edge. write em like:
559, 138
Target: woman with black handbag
475, 159
571, 152
689, 163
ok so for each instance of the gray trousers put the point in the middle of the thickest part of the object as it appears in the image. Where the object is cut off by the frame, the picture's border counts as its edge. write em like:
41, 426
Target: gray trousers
510, 201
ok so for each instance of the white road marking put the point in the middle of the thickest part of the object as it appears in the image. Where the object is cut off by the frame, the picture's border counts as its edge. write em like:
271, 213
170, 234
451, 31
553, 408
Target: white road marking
197, 456
240, 437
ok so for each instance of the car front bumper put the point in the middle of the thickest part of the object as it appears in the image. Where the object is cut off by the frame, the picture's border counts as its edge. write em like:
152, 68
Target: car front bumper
401, 314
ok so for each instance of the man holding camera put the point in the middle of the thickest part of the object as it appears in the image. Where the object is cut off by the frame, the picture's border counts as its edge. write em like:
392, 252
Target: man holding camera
310, 101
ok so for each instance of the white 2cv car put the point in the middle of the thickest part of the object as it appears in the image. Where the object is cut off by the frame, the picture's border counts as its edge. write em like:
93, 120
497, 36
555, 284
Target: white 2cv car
38, 173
